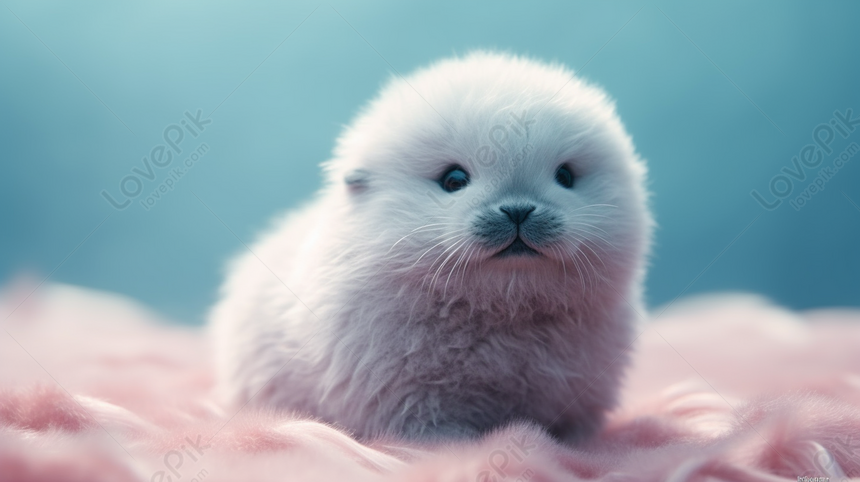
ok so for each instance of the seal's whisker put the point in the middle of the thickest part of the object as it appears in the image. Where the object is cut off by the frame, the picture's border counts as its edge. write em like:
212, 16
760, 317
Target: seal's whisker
596, 254
456, 246
453, 268
596, 235
580, 223
430, 240
579, 244
577, 264
472, 250
593, 206
431, 248
561, 257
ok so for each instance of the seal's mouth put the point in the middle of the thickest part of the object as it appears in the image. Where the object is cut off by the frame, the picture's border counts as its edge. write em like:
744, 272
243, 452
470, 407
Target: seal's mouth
517, 248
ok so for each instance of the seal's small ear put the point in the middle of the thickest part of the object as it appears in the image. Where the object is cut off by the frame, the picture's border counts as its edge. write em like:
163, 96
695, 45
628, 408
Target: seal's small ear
357, 180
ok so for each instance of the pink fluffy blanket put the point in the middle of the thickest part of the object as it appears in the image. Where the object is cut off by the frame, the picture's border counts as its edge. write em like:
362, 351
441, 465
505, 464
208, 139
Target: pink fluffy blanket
94, 388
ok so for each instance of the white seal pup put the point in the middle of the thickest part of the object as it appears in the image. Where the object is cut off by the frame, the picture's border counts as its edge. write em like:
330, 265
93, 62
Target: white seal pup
474, 258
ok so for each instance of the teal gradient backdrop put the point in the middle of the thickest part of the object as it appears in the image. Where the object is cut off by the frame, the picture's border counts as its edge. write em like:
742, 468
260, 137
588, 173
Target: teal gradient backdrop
718, 96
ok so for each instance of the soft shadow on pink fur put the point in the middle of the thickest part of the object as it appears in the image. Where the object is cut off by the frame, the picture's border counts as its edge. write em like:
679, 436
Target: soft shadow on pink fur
95, 388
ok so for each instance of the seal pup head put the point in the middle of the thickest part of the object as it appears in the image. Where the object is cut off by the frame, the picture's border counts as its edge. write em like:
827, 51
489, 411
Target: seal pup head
493, 178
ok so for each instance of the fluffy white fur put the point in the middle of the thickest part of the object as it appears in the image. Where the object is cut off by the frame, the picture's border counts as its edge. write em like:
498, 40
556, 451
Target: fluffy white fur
383, 307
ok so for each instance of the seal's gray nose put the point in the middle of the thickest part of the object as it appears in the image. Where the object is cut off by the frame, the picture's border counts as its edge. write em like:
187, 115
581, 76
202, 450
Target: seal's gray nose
517, 212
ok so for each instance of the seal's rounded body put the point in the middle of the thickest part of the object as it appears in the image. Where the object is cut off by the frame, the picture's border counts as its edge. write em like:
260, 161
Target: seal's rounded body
475, 258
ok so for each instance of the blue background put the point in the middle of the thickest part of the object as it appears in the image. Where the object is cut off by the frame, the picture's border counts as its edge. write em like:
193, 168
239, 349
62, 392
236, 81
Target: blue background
718, 97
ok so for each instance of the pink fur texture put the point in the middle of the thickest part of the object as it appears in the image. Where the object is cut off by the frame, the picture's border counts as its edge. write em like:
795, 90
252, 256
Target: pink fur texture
731, 388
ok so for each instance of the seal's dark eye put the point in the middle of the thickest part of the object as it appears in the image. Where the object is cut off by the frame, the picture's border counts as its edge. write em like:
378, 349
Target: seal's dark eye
564, 177
454, 179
